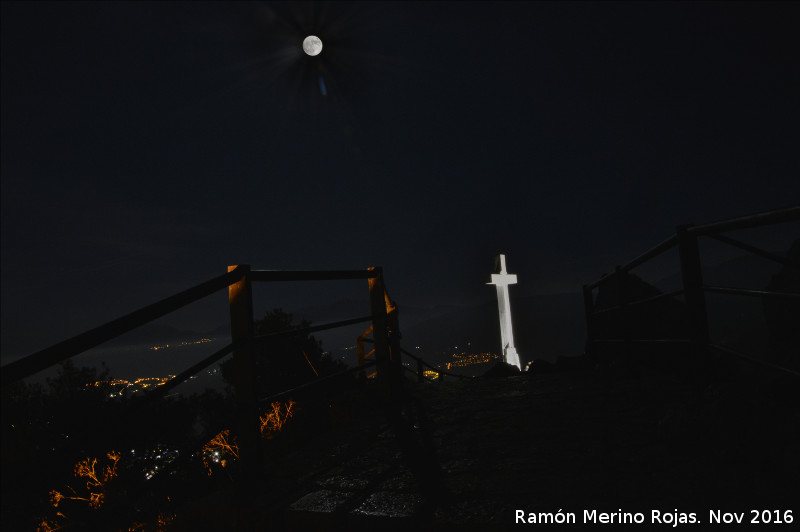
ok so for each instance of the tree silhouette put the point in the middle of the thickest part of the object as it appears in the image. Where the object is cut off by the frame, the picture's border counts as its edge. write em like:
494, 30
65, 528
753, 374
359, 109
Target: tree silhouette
285, 362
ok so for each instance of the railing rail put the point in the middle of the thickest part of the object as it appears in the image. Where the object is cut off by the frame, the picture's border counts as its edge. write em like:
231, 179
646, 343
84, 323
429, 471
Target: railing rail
693, 289
308, 330
311, 275
421, 365
788, 214
766, 363
50, 356
754, 250
641, 259
752, 293
644, 301
311, 384
192, 370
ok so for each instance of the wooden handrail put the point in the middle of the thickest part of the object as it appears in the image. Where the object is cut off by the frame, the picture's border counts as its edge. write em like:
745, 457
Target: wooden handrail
310, 275
754, 250
41, 360
187, 373
751, 293
311, 384
651, 299
308, 330
789, 214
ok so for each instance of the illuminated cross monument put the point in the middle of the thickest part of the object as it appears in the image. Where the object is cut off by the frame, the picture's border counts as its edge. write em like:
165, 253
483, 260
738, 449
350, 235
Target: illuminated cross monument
501, 280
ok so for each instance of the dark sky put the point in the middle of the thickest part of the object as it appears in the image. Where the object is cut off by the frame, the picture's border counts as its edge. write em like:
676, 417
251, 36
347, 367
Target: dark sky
146, 146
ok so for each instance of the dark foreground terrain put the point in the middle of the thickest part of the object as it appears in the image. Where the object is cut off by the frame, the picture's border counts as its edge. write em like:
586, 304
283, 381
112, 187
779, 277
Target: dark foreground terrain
570, 442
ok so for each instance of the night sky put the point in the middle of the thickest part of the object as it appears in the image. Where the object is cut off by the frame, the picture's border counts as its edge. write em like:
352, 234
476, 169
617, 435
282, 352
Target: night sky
146, 146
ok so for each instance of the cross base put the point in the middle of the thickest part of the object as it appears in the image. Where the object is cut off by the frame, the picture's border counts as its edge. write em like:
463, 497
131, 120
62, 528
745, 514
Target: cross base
511, 357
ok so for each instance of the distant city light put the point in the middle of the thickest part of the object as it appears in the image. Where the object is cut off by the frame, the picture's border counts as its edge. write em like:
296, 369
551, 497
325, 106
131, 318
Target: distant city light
470, 359
133, 386
182, 344
431, 374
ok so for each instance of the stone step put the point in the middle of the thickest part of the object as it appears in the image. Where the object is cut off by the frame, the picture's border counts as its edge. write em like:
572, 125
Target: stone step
332, 509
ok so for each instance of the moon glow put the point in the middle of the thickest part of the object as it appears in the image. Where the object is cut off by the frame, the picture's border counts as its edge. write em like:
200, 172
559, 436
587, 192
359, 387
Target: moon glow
312, 45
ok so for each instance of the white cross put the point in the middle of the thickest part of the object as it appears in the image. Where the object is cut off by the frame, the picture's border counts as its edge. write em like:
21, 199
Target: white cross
501, 281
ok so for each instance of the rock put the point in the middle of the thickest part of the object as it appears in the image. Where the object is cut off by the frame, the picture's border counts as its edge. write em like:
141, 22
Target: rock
500, 370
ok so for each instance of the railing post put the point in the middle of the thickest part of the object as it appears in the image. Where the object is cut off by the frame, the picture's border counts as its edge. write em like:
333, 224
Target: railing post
360, 351
588, 309
697, 318
362, 357
240, 300
393, 332
623, 290
421, 460
383, 362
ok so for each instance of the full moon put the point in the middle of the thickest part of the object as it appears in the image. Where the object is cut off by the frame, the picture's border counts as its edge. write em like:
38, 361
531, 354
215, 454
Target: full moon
312, 45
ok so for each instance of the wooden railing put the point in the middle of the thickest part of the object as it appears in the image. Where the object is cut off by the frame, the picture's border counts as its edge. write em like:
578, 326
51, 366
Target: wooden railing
693, 288
238, 280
